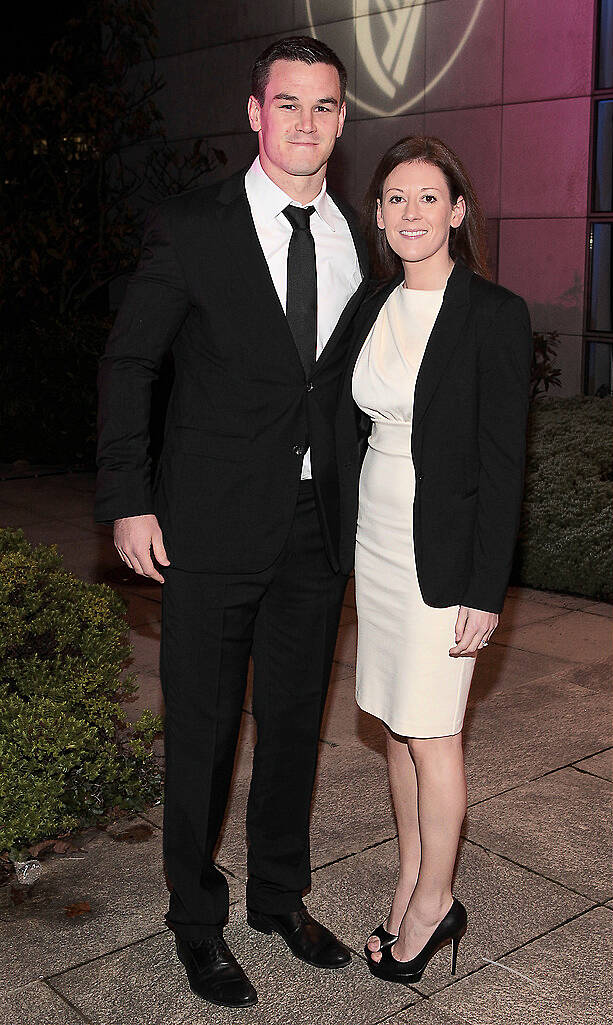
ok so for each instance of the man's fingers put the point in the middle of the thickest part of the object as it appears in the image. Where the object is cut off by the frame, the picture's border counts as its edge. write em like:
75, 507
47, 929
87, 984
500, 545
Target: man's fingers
144, 567
124, 558
159, 551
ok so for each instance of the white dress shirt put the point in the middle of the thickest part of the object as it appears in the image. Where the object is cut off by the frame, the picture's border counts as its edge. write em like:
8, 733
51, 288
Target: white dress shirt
338, 270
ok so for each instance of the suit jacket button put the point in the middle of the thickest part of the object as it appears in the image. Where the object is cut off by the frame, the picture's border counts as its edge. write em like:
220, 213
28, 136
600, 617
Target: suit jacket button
310, 386
298, 450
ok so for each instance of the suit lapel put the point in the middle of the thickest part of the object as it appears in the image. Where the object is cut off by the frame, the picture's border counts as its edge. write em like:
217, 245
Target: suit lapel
242, 240
443, 339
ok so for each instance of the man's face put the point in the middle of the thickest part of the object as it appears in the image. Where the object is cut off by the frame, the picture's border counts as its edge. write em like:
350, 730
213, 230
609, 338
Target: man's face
300, 120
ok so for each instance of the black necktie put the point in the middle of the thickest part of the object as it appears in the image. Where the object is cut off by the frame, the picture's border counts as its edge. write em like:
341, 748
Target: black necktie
301, 308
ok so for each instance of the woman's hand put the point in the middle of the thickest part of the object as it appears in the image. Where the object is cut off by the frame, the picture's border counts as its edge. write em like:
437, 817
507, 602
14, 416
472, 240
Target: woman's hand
473, 630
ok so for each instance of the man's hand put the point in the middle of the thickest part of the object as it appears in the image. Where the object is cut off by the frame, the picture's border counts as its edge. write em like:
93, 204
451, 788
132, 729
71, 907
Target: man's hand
134, 537
473, 630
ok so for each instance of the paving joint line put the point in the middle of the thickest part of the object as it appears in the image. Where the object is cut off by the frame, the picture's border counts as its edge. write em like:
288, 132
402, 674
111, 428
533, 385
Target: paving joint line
520, 946
535, 779
107, 953
355, 854
586, 772
530, 651
73, 1007
400, 1010
526, 868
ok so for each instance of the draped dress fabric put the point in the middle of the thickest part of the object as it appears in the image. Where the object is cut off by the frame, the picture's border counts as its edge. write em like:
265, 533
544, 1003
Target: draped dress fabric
405, 675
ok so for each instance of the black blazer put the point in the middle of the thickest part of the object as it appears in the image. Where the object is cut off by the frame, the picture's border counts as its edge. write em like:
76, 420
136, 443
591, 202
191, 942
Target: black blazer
467, 441
241, 411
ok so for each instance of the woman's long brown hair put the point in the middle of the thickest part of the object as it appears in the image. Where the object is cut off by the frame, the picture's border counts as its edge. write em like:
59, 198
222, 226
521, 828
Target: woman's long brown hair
467, 243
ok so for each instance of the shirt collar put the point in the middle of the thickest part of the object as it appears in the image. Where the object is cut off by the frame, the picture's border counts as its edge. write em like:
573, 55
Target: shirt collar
271, 200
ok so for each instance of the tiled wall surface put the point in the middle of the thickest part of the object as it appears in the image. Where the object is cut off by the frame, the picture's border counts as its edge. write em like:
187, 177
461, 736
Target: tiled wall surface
505, 82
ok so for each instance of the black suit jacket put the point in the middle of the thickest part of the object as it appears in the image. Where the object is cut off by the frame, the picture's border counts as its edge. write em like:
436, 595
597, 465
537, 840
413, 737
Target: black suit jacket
467, 441
241, 411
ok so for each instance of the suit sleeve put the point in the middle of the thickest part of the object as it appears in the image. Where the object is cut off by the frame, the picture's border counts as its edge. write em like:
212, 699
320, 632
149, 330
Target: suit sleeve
154, 307
504, 382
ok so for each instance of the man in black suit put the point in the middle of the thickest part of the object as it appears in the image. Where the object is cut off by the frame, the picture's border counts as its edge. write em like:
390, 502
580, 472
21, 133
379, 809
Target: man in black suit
250, 283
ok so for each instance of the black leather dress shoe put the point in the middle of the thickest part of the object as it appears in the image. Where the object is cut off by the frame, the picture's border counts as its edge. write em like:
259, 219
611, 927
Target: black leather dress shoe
305, 937
214, 973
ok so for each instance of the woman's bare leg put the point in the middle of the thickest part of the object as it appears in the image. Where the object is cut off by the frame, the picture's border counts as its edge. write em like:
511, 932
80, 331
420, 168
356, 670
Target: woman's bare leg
403, 785
441, 784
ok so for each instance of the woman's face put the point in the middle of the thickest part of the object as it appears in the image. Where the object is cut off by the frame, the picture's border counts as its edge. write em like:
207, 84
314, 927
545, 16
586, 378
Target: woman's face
416, 212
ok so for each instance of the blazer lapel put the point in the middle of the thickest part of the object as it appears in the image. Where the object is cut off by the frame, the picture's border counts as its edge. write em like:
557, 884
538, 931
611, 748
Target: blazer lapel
443, 339
242, 240
367, 316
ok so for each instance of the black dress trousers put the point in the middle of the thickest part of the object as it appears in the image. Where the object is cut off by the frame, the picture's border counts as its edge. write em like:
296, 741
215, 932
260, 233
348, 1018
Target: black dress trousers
286, 617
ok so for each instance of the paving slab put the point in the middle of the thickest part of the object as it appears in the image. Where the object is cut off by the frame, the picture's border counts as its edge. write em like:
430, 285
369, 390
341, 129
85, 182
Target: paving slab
518, 732
144, 984
140, 612
344, 722
348, 615
562, 978
346, 642
559, 826
36, 1004
576, 636
499, 667
599, 765
599, 608
595, 676
426, 1013
564, 601
506, 905
121, 881
518, 611
16, 516
49, 495
351, 809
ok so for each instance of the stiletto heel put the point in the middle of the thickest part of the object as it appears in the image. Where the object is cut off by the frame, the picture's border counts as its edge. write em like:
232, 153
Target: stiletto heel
452, 927
455, 943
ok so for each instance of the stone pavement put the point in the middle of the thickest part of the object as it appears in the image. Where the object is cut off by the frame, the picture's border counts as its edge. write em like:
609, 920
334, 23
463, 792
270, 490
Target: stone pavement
533, 869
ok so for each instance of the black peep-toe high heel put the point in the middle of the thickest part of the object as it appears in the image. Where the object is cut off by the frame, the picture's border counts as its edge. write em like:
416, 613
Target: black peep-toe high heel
452, 927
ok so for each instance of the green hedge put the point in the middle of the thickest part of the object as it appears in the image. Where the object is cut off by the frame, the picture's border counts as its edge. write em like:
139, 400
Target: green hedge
566, 534
67, 753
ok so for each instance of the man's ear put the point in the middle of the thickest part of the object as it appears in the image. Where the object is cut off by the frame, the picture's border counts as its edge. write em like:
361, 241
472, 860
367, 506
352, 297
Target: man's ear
342, 114
254, 112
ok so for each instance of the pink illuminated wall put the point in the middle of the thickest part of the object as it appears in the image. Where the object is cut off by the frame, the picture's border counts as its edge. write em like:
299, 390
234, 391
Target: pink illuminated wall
513, 100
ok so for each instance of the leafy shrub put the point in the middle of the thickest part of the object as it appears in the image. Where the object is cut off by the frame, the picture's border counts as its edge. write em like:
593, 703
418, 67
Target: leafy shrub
67, 753
544, 373
566, 534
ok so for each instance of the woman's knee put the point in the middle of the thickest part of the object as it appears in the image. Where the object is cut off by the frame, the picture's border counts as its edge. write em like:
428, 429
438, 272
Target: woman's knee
428, 749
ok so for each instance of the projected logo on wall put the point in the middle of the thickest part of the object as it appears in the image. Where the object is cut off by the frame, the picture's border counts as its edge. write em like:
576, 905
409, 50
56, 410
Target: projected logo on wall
388, 38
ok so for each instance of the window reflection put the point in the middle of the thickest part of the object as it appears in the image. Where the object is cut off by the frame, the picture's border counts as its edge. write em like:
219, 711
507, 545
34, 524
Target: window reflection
600, 318
605, 46
603, 157
599, 369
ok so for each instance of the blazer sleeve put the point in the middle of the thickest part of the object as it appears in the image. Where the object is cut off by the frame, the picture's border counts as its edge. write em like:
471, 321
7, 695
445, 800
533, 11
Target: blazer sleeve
154, 307
504, 380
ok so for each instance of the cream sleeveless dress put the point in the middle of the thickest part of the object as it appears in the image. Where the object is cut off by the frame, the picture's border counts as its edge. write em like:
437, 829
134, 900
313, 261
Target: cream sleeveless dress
405, 675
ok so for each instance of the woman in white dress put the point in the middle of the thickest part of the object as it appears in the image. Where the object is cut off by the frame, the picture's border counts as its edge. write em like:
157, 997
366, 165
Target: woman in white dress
440, 372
